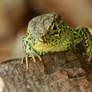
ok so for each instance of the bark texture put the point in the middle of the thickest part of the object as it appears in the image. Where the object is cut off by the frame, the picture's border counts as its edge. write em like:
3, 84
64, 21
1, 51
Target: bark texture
58, 72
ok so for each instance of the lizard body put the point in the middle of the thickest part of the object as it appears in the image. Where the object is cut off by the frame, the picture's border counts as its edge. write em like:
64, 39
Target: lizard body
49, 33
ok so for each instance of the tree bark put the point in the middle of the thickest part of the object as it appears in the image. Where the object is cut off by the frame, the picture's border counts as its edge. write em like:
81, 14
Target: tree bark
58, 72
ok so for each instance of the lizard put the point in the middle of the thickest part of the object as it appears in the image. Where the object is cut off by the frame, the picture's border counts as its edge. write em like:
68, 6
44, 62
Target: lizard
49, 33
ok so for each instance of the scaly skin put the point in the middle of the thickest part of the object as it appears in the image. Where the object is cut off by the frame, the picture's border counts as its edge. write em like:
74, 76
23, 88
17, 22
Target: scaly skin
49, 33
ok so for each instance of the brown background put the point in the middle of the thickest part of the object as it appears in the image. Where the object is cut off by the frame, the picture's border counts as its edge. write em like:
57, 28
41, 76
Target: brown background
15, 14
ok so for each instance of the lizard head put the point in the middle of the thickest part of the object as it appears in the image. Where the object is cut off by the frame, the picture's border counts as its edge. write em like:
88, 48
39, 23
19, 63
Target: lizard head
43, 25
45, 30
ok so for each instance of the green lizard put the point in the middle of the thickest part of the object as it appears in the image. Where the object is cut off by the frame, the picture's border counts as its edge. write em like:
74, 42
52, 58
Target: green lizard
49, 33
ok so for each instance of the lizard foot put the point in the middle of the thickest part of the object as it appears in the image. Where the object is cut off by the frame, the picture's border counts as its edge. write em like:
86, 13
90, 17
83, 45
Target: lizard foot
26, 60
89, 59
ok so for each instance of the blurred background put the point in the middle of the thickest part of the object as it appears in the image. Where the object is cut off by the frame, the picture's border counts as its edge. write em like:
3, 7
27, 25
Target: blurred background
15, 14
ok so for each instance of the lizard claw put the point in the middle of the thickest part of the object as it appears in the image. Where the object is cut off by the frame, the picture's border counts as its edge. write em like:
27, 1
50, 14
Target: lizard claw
26, 60
89, 59
33, 57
